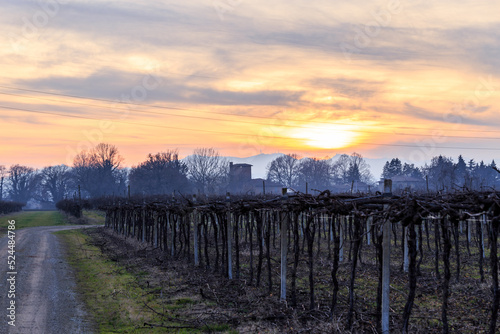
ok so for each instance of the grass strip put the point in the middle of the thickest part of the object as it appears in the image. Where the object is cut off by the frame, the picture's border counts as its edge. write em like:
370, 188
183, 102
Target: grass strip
114, 296
32, 219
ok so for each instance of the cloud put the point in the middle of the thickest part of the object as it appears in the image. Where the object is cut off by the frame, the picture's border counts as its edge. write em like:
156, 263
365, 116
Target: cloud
349, 87
280, 59
115, 85
424, 113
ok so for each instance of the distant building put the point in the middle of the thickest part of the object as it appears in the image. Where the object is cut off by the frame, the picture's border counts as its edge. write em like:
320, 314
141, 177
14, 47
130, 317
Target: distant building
261, 186
240, 173
404, 183
354, 187
241, 182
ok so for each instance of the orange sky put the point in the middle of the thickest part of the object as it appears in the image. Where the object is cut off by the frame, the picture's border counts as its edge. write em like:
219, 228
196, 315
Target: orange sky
384, 78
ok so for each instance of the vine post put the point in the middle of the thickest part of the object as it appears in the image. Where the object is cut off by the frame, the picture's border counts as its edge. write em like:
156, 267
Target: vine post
341, 223
405, 253
386, 259
368, 230
229, 238
195, 232
283, 245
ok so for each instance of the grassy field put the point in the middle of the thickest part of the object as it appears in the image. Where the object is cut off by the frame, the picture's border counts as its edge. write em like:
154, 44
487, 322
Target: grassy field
116, 297
94, 217
48, 218
32, 219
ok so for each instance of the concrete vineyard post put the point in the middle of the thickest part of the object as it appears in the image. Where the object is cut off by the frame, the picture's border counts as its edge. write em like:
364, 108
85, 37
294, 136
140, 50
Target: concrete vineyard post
405, 255
483, 224
368, 230
229, 238
283, 246
417, 230
143, 222
172, 236
469, 230
194, 218
341, 222
386, 258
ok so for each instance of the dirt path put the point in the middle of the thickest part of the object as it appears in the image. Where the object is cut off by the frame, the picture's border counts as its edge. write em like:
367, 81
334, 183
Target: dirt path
45, 298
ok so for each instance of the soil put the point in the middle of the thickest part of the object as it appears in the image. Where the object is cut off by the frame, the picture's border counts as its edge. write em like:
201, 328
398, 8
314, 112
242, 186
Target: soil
251, 309
247, 309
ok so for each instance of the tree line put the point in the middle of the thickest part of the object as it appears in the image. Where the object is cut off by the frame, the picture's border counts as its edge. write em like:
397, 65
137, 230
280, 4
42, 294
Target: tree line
444, 175
100, 172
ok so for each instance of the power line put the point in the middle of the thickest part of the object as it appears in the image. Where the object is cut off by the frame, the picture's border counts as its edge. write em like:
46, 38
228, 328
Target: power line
248, 122
230, 133
233, 115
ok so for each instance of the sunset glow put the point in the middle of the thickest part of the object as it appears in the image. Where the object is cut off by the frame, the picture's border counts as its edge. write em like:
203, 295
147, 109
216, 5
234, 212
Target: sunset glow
406, 79
328, 136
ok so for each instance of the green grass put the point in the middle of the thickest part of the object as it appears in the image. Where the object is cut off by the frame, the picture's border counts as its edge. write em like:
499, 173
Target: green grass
94, 217
115, 296
32, 219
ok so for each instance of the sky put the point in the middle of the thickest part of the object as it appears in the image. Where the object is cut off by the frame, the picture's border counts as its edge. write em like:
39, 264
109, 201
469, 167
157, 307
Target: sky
408, 79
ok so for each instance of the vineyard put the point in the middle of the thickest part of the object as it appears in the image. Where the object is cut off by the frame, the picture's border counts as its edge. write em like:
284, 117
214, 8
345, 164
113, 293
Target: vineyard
408, 263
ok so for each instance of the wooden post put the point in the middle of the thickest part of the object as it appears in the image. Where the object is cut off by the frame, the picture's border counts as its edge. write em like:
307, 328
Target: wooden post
368, 228
405, 255
332, 217
229, 238
264, 187
133, 216
284, 245
194, 218
172, 237
120, 220
143, 221
418, 232
341, 238
483, 224
155, 229
469, 230
386, 259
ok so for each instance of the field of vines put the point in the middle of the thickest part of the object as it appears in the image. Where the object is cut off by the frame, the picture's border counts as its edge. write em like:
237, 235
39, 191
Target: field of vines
409, 263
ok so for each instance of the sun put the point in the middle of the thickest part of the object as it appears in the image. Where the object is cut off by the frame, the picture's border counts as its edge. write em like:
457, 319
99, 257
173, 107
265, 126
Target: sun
328, 136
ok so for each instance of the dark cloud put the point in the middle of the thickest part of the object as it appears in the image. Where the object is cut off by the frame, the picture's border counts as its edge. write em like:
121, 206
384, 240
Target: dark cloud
452, 118
114, 85
352, 88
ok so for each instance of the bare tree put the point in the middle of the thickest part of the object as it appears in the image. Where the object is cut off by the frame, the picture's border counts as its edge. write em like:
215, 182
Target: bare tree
340, 169
359, 170
316, 173
23, 182
3, 174
56, 182
208, 170
98, 171
284, 170
350, 168
161, 173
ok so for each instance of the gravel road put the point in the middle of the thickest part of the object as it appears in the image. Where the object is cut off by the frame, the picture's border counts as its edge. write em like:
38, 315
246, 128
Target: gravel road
45, 298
